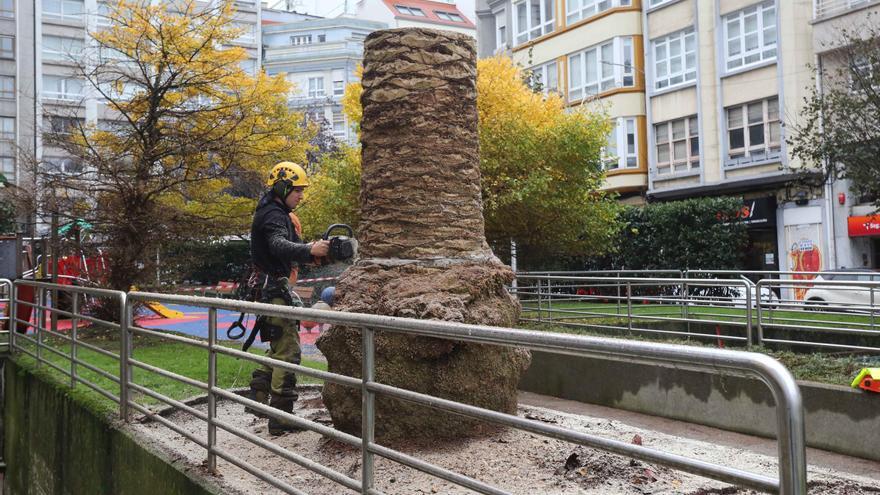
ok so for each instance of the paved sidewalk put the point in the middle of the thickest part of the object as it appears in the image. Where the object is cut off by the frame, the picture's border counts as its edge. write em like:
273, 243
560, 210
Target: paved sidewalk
765, 446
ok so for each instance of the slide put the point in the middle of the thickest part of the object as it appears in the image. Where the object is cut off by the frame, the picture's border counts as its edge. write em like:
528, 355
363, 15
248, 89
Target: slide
162, 310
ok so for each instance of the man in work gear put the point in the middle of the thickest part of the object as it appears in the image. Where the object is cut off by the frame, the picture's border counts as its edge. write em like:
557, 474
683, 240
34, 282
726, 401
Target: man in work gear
276, 246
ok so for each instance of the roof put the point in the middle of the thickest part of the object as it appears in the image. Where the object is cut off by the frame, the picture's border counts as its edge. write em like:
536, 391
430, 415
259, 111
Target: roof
431, 11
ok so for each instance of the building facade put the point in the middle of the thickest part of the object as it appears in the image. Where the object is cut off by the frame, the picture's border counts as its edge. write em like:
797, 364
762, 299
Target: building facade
590, 53
702, 92
320, 57
854, 226
40, 90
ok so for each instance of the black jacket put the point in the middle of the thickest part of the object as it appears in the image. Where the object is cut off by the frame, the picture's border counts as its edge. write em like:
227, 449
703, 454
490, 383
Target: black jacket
275, 245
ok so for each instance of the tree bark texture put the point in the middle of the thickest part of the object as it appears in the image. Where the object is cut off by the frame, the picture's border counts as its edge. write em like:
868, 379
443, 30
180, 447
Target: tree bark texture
423, 248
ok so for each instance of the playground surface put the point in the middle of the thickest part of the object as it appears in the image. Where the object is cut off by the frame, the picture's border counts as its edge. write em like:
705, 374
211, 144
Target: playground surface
194, 322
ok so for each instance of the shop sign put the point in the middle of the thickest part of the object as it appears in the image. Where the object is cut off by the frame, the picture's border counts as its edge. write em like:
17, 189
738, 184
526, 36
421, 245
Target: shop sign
759, 211
863, 226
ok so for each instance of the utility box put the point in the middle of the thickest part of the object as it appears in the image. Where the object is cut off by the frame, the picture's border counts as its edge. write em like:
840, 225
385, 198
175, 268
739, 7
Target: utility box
10, 247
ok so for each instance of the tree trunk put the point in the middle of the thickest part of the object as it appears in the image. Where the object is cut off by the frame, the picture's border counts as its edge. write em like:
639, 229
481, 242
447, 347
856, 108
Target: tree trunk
423, 248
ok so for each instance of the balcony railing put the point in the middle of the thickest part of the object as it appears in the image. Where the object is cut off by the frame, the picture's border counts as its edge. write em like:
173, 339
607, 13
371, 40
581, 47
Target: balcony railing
826, 8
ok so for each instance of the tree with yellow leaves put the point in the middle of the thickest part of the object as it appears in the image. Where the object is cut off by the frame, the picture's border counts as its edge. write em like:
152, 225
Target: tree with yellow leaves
191, 138
540, 165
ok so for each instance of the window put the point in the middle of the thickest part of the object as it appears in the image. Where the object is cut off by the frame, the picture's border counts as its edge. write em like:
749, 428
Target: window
112, 55
750, 35
7, 166
322, 38
501, 37
449, 16
7, 87
62, 165
338, 88
249, 66
831, 7
753, 131
58, 48
862, 74
7, 8
62, 88
675, 59
102, 18
654, 3
678, 145
316, 87
7, 47
7, 128
64, 126
117, 91
600, 68
547, 76
303, 39
247, 32
532, 18
63, 8
621, 151
576, 10
410, 10
338, 125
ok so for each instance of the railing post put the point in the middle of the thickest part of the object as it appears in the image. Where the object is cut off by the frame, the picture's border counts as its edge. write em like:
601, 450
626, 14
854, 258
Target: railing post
685, 308
549, 299
13, 316
212, 382
758, 308
41, 322
540, 303
749, 311
74, 322
368, 409
629, 306
124, 355
618, 293
873, 309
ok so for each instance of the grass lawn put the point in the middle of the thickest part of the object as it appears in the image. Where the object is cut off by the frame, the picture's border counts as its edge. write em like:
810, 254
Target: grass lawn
609, 313
185, 360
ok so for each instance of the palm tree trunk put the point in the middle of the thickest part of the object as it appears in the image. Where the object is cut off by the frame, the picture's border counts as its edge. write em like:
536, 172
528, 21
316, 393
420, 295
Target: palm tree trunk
423, 248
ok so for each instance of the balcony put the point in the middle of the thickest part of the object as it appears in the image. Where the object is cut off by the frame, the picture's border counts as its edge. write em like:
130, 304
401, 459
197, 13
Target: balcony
312, 51
830, 8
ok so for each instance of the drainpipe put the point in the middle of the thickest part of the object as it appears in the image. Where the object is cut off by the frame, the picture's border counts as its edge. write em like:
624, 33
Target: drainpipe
830, 234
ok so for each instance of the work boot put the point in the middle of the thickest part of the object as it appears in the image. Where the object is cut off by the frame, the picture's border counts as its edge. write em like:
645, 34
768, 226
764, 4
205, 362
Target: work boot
260, 380
278, 426
258, 396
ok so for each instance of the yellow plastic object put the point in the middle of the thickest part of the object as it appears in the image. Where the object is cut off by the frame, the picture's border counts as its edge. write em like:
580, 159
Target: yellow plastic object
868, 379
159, 308
162, 310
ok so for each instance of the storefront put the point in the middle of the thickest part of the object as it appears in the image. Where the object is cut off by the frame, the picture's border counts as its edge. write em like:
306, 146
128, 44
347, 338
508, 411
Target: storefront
864, 231
759, 214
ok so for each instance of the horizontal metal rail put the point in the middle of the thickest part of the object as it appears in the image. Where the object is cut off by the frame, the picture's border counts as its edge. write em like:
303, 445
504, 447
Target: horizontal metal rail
792, 462
785, 391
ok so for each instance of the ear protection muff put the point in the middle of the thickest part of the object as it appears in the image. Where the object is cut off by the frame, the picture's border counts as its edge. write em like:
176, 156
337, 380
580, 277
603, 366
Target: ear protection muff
282, 188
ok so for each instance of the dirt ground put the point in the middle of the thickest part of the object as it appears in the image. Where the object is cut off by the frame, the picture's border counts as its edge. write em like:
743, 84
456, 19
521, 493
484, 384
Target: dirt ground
515, 461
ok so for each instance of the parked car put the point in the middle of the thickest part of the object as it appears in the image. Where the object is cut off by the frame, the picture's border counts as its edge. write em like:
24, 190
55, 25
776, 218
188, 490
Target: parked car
843, 298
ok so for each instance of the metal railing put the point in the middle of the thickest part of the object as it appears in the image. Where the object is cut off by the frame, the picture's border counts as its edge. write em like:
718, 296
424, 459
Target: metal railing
836, 307
824, 314
825, 8
5, 321
630, 304
789, 410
